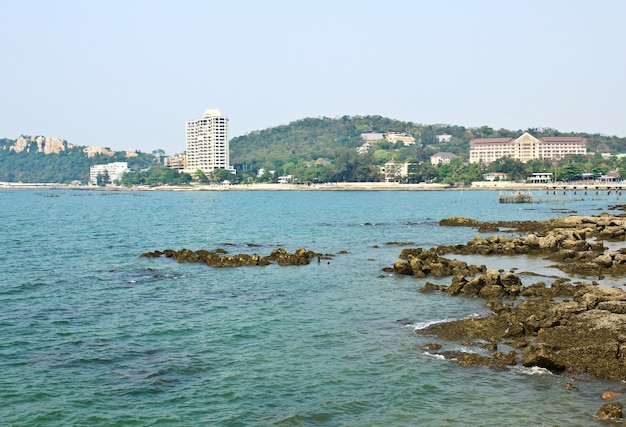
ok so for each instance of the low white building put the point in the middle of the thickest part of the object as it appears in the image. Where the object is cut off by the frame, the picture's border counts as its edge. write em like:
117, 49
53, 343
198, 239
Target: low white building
405, 138
495, 176
369, 140
177, 161
394, 172
541, 178
114, 170
442, 158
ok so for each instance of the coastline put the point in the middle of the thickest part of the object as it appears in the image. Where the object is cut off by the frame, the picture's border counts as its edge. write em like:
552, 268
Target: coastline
339, 186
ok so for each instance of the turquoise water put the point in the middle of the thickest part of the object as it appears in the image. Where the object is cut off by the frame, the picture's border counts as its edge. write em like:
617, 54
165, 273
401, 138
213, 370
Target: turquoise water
91, 334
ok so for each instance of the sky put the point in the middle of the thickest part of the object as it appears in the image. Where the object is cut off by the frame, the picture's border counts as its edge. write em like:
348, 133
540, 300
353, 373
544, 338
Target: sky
129, 74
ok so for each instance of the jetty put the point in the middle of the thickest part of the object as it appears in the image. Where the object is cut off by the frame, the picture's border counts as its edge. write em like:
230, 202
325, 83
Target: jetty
608, 188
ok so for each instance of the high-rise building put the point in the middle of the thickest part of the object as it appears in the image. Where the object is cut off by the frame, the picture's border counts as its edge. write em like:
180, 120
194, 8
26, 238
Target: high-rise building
207, 143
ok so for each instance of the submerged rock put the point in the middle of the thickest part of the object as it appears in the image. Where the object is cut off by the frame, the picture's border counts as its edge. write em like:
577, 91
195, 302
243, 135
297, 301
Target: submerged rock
221, 258
610, 411
473, 359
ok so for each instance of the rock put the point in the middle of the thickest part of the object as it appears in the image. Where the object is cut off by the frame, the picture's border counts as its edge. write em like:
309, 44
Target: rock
563, 326
300, 257
432, 346
610, 411
618, 307
186, 255
532, 241
416, 252
486, 228
431, 287
491, 292
474, 286
155, 254
458, 282
576, 245
220, 258
610, 395
402, 267
510, 358
604, 260
472, 359
542, 356
459, 221
438, 269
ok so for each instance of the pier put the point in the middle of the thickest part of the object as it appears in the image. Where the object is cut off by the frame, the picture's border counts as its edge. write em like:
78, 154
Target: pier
584, 188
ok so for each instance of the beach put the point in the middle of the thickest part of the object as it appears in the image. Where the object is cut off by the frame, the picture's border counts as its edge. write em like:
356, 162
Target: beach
336, 186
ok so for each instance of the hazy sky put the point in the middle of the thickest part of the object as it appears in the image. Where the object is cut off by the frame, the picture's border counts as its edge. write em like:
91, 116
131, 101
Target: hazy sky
128, 74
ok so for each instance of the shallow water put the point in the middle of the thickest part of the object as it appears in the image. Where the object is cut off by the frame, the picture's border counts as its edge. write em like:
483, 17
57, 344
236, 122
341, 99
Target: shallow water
91, 334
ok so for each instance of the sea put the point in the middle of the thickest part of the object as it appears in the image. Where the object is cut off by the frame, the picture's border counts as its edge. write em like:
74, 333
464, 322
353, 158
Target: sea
92, 334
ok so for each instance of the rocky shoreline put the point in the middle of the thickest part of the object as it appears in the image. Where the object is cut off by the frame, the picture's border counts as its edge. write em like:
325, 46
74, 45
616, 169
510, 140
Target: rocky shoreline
561, 326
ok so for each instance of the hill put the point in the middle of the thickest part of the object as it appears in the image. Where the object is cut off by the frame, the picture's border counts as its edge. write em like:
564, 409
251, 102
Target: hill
312, 149
32, 159
314, 146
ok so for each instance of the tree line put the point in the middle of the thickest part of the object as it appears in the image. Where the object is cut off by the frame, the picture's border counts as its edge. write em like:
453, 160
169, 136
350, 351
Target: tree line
322, 150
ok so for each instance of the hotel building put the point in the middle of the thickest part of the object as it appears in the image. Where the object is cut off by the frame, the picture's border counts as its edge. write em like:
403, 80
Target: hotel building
525, 148
207, 143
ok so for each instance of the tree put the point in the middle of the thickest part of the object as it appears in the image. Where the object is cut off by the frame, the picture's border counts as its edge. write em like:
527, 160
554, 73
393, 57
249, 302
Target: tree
570, 172
382, 156
221, 175
352, 167
184, 178
539, 165
103, 179
598, 171
200, 176
515, 169
424, 172
169, 176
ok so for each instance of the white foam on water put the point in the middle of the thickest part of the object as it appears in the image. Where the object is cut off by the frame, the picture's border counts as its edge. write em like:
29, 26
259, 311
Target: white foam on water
435, 356
530, 370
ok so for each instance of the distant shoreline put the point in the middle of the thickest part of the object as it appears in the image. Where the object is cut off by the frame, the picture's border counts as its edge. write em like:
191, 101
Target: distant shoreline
340, 186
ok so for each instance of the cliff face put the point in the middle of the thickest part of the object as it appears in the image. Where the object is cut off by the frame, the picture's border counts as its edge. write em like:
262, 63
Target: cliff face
46, 145
51, 145
92, 151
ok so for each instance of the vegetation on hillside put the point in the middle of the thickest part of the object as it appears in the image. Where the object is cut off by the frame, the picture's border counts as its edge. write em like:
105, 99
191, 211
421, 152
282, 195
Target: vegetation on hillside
71, 164
323, 150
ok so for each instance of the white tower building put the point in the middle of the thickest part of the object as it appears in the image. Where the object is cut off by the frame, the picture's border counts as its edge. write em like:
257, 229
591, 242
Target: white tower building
207, 143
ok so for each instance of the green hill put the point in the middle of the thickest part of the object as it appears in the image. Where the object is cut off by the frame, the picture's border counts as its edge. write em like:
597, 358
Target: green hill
50, 160
322, 149
316, 147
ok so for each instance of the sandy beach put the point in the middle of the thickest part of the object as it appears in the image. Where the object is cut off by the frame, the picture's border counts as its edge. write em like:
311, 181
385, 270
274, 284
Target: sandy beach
335, 186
